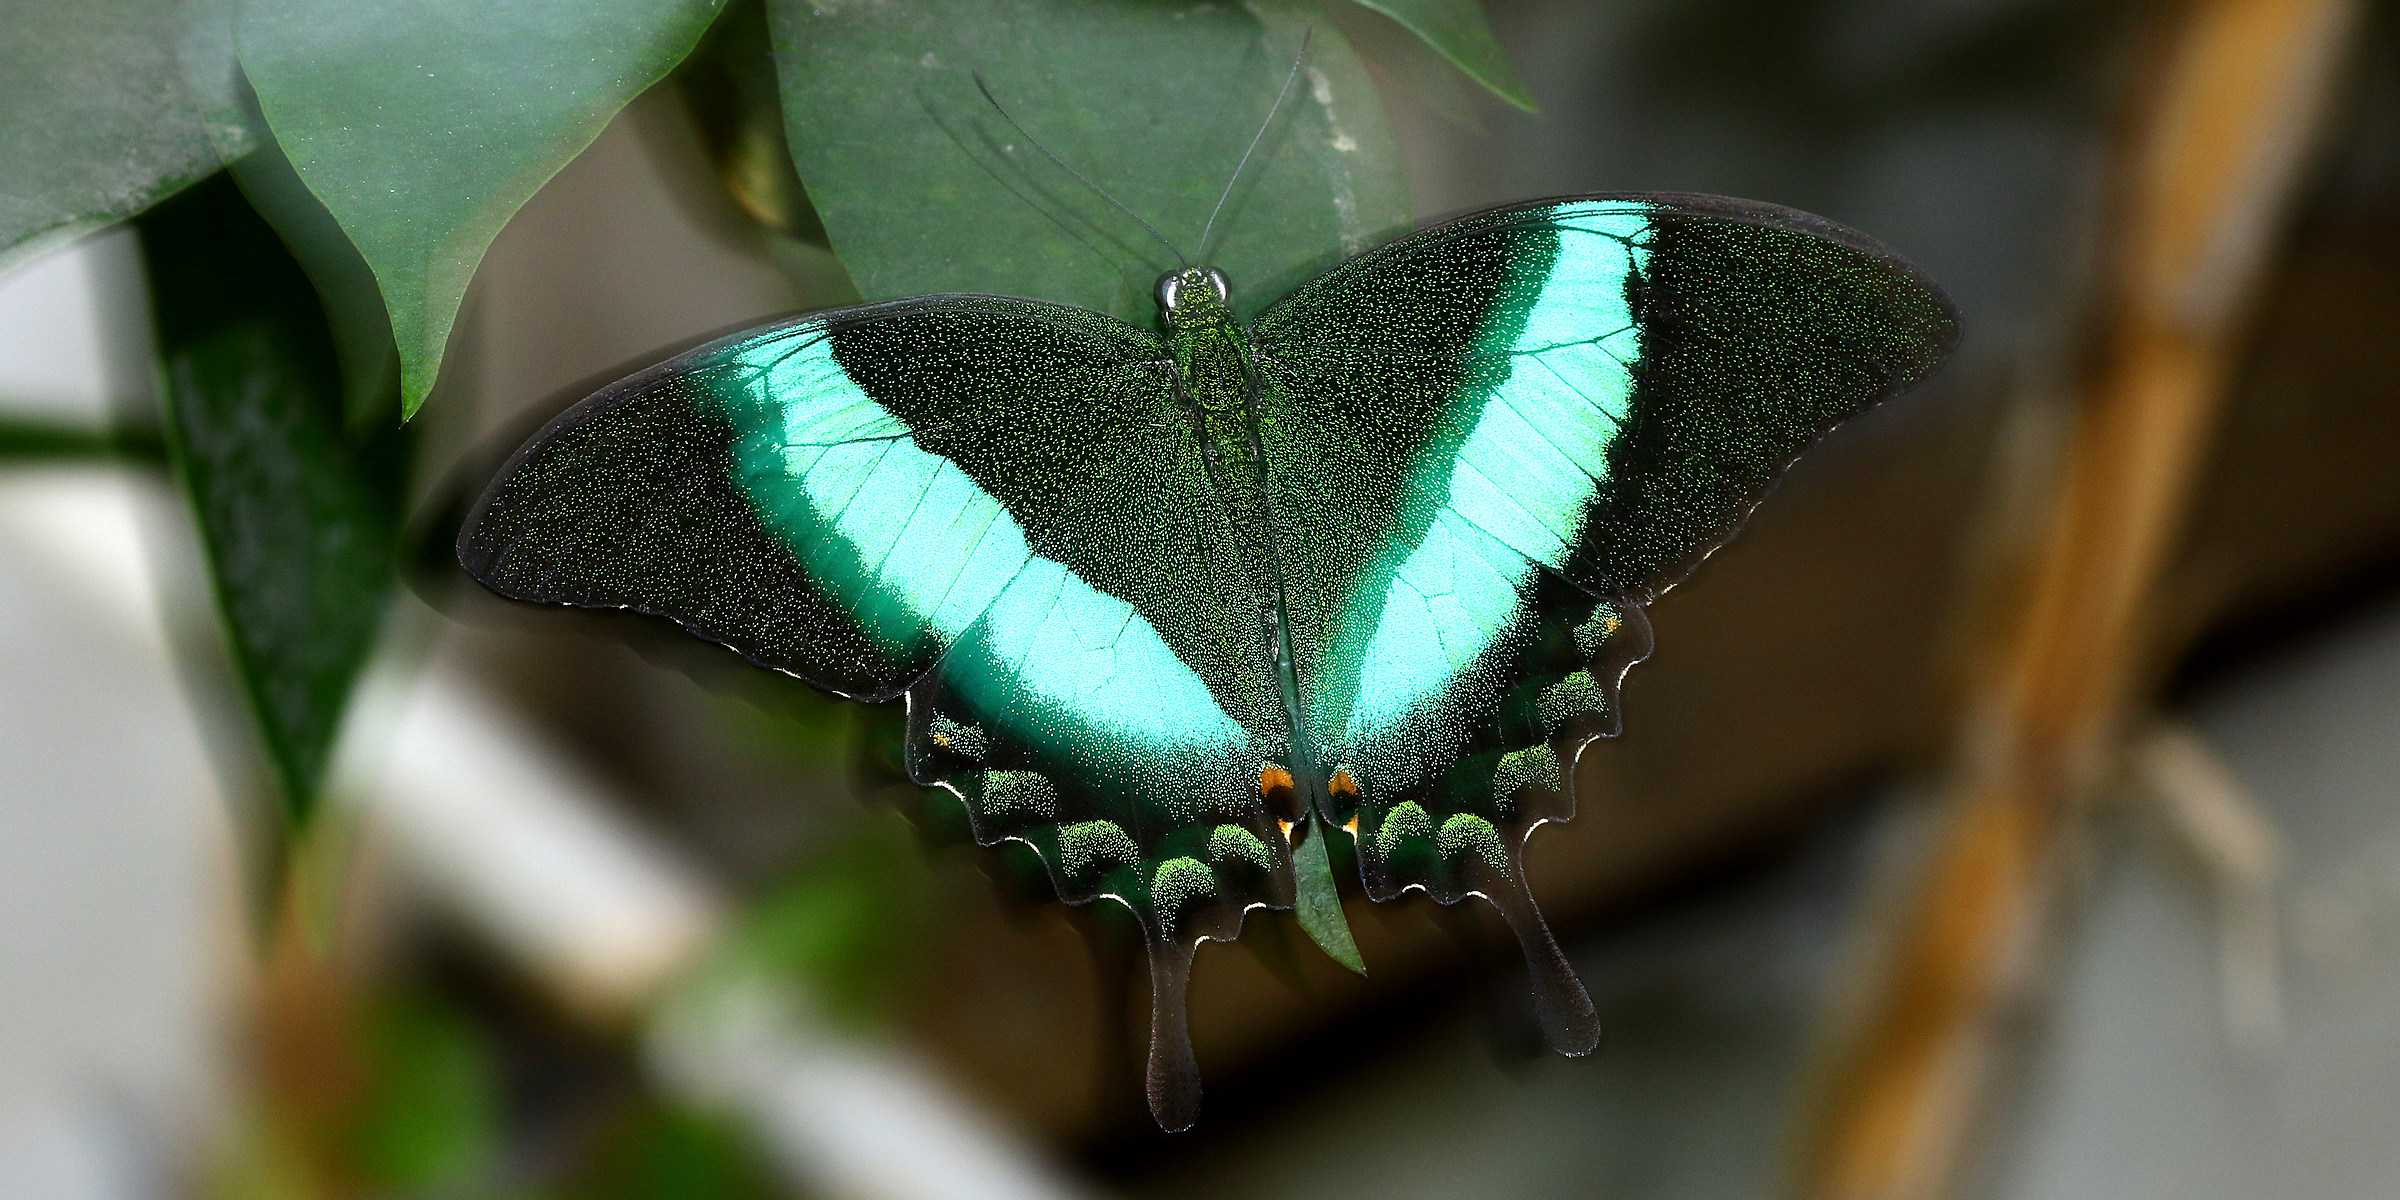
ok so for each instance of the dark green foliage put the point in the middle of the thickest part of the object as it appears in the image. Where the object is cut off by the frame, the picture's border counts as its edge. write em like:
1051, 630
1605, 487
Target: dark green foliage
1456, 29
297, 516
924, 188
656, 1153
731, 84
422, 125
430, 1115
100, 122
850, 925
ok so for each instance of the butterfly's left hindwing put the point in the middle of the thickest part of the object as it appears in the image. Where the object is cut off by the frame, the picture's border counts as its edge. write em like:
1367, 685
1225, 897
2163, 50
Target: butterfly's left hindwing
1491, 443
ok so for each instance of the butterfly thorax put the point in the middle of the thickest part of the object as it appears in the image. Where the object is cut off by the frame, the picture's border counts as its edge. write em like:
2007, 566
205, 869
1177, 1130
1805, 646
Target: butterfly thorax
1212, 372
1215, 376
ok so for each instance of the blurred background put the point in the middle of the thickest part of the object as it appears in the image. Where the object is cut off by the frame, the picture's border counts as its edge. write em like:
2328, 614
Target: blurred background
2007, 813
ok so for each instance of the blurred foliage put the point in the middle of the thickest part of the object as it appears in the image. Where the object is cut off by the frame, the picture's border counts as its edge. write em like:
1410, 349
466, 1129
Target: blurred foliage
430, 1117
296, 514
731, 85
851, 927
792, 724
354, 311
660, 1153
407, 1092
1455, 29
32, 440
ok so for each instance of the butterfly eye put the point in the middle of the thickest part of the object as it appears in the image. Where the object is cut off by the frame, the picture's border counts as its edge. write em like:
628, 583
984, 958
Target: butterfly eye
1216, 279
1169, 289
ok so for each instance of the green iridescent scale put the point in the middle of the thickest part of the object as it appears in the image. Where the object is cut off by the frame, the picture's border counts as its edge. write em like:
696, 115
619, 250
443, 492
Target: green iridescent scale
1172, 607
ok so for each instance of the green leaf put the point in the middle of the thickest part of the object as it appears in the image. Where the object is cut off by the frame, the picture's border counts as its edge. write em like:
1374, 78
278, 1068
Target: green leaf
423, 125
1456, 28
362, 329
923, 187
1318, 902
228, 112
296, 517
100, 121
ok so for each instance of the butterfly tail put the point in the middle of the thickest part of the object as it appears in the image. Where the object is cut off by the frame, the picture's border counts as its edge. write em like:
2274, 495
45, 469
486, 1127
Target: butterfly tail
1569, 1022
1174, 1074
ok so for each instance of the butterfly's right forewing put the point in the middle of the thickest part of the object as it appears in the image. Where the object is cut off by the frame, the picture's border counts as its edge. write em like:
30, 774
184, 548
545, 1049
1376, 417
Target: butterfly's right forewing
1492, 443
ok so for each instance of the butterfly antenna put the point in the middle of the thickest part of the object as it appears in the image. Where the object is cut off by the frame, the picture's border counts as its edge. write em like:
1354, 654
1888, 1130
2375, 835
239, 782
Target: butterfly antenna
1096, 189
1256, 138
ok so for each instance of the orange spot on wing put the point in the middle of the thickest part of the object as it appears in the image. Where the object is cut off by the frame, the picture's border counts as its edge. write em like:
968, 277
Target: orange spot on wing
1271, 777
1341, 784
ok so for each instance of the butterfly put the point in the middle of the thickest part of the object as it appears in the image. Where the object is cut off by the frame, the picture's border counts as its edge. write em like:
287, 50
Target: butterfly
1174, 606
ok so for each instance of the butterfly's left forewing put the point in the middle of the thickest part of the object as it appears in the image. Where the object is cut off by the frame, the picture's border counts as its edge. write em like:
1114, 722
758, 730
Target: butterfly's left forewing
1490, 445
993, 507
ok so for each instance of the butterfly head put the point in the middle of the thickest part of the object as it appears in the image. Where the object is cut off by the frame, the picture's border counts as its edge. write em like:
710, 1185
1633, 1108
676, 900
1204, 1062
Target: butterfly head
1195, 296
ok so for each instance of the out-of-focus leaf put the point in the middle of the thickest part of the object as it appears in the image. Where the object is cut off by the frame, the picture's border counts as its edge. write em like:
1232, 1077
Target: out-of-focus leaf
424, 124
1457, 29
1404, 66
850, 925
297, 518
675, 1154
730, 82
923, 187
97, 121
431, 1116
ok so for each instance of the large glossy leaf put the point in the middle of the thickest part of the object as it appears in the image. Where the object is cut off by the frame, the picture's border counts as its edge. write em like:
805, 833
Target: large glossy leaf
354, 310
213, 73
97, 120
424, 124
923, 187
1456, 28
297, 517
